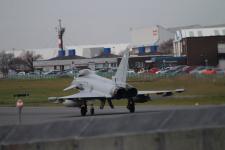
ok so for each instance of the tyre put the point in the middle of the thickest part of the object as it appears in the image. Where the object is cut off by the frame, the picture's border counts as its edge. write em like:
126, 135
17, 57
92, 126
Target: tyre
131, 106
83, 111
92, 110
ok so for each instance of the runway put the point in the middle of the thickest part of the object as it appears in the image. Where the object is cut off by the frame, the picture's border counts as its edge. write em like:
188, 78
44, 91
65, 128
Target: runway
34, 115
48, 124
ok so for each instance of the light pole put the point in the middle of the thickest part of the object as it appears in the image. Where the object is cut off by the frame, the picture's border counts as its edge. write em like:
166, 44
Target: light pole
206, 62
164, 63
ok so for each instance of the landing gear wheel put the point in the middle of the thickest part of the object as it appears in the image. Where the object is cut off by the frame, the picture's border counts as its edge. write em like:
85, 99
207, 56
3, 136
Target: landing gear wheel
92, 111
83, 110
131, 105
110, 103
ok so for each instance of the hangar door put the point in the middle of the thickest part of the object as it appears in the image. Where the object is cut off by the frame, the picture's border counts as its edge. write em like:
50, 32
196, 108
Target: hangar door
221, 54
221, 48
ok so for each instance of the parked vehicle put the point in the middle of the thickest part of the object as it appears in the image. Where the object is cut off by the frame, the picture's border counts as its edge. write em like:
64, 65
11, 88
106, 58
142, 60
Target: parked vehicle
141, 71
220, 71
54, 72
130, 71
163, 70
188, 69
21, 73
69, 72
208, 71
153, 70
197, 70
33, 73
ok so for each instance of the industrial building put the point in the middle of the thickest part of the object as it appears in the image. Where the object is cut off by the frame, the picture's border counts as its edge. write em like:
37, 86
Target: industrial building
144, 50
147, 40
202, 46
198, 46
106, 61
63, 62
150, 61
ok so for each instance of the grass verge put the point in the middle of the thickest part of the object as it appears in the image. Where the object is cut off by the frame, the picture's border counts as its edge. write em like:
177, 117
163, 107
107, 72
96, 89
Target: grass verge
197, 90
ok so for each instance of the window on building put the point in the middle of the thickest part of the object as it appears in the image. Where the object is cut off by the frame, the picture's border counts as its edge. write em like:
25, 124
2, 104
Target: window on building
98, 65
142, 64
139, 64
147, 50
113, 65
106, 65
223, 32
199, 33
191, 33
216, 32
61, 67
136, 51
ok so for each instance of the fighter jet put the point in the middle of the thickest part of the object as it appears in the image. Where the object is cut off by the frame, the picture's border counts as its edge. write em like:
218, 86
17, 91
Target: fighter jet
94, 87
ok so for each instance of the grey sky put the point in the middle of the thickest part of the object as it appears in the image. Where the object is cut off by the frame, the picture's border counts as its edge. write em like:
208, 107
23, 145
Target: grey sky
30, 23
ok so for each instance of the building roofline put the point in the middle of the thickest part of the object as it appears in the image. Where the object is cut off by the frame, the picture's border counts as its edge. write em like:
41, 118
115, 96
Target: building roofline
67, 57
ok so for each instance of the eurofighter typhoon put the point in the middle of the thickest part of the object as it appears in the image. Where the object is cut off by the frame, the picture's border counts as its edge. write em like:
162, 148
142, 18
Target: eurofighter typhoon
94, 87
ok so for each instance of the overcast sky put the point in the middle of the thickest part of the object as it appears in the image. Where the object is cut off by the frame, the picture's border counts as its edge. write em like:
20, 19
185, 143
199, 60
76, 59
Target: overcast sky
31, 23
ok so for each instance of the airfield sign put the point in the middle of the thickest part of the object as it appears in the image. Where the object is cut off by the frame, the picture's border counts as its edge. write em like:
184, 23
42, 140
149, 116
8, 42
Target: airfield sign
19, 105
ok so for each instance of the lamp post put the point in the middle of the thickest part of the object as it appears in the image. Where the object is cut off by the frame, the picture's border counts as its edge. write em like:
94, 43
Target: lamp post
206, 62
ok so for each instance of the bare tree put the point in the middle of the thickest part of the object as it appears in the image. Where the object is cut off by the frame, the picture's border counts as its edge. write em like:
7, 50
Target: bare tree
29, 57
5, 61
166, 47
17, 63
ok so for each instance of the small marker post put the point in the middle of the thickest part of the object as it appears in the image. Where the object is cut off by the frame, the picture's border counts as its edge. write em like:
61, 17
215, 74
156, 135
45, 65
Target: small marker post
19, 105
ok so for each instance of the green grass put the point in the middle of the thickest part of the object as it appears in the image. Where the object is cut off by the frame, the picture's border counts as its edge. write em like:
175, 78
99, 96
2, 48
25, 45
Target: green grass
197, 90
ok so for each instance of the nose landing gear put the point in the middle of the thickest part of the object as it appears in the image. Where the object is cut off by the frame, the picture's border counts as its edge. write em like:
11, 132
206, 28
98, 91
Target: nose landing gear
92, 110
83, 109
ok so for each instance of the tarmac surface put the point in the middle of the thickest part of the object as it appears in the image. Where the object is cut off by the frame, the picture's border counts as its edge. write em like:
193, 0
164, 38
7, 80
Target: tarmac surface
54, 123
33, 115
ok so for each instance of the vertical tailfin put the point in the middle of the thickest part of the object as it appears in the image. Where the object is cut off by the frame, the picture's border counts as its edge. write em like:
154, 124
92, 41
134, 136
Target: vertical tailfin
121, 75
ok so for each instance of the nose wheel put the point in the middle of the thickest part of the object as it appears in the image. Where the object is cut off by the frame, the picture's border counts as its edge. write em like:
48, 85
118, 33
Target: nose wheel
131, 105
83, 109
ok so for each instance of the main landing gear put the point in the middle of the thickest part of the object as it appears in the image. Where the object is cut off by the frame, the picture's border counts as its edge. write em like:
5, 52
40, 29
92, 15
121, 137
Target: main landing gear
131, 105
92, 110
83, 109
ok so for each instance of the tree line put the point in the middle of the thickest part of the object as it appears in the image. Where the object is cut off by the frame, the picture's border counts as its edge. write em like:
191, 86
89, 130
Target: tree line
24, 62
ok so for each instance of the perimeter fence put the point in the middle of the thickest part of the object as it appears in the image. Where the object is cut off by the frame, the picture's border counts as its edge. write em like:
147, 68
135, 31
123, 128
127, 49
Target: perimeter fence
131, 76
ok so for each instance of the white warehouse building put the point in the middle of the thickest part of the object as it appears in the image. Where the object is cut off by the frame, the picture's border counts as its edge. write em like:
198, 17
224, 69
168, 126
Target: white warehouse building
147, 39
81, 50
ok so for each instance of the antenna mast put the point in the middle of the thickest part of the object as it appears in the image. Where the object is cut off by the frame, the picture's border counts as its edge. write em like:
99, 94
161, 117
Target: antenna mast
61, 31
